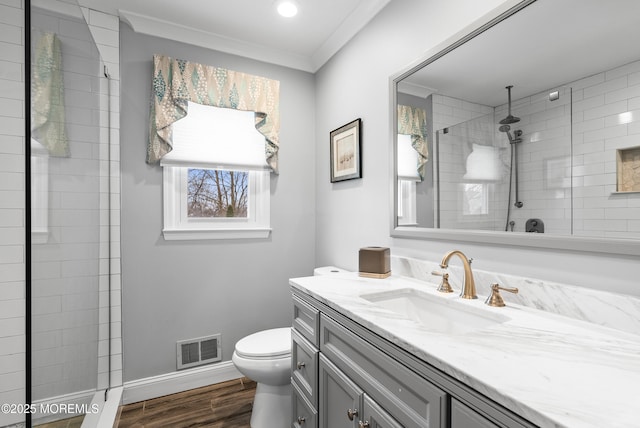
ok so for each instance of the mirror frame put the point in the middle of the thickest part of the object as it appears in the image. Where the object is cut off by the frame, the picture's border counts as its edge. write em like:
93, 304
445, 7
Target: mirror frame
572, 243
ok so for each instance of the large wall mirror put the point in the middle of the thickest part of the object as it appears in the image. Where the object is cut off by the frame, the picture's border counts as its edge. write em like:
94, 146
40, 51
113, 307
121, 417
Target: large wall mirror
524, 129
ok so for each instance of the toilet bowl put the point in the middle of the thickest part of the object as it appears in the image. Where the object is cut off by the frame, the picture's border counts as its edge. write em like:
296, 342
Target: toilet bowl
265, 357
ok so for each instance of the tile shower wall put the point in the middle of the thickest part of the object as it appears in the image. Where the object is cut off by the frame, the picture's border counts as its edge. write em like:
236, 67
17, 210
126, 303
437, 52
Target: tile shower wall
544, 158
605, 113
606, 117
12, 208
453, 149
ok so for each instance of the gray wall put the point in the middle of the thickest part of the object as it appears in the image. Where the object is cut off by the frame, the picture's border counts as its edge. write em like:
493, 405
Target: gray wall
175, 290
355, 83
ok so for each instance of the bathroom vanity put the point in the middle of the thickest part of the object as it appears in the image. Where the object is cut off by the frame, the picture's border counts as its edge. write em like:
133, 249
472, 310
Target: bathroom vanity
364, 355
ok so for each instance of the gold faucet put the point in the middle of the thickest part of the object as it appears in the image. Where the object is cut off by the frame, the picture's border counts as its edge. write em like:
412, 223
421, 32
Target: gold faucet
469, 285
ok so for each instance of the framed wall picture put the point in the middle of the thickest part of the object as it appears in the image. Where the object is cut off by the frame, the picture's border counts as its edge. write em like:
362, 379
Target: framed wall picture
345, 144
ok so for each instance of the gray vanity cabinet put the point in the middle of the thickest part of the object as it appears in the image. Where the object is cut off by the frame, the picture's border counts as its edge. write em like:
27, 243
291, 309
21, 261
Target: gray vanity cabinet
464, 417
340, 397
344, 405
346, 376
374, 416
304, 364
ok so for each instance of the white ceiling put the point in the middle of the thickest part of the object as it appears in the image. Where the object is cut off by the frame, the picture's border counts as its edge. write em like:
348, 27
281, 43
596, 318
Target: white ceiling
548, 43
251, 28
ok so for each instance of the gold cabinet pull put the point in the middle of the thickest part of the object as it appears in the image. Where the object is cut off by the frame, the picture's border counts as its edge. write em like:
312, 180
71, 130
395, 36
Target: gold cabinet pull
300, 365
351, 413
301, 420
364, 424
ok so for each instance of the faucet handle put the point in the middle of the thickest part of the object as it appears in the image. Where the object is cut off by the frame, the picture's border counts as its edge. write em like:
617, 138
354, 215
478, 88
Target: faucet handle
444, 287
495, 299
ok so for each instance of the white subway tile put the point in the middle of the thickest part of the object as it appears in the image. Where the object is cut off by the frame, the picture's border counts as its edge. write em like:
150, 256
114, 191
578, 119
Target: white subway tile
106, 37
12, 326
11, 272
11, 218
606, 110
12, 125
11, 181
611, 132
11, 89
606, 86
11, 71
12, 108
631, 68
103, 20
12, 3
10, 254
11, 34
622, 94
622, 213
11, 15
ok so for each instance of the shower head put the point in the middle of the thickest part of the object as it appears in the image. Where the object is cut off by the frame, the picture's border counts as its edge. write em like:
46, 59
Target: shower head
510, 118
506, 129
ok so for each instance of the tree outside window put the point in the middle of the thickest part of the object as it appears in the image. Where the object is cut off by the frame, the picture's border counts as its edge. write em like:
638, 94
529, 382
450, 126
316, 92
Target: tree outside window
217, 193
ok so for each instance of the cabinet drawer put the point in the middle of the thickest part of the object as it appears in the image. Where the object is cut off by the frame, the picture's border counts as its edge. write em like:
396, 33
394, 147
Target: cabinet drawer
405, 395
306, 319
374, 416
465, 417
304, 366
340, 398
304, 414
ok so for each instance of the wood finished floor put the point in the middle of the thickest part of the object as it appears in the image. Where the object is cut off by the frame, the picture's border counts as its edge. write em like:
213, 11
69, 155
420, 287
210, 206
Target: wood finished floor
224, 405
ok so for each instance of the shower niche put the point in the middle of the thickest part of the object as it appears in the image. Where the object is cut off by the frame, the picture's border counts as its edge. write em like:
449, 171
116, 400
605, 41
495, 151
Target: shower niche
628, 169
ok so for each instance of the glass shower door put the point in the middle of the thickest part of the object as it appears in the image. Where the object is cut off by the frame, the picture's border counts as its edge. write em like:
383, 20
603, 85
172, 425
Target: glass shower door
69, 248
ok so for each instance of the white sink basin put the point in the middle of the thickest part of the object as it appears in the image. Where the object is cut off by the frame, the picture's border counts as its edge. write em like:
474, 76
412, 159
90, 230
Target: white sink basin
438, 314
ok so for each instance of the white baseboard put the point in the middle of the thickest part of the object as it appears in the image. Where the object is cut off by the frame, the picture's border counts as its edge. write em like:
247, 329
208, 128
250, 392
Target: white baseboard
171, 383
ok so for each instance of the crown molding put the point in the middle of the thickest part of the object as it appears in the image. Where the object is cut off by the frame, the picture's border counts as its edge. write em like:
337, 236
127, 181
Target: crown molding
349, 27
156, 27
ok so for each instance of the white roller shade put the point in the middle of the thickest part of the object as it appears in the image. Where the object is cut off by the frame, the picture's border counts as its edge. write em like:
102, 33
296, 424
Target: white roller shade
407, 159
217, 138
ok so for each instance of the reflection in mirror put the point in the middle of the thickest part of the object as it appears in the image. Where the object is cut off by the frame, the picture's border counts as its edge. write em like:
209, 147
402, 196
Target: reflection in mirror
494, 176
556, 152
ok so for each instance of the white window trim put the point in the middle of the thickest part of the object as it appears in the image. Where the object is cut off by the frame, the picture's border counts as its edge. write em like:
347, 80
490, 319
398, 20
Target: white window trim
407, 210
177, 226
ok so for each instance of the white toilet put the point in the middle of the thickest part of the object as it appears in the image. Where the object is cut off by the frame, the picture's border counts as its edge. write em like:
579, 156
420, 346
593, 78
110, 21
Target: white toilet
265, 357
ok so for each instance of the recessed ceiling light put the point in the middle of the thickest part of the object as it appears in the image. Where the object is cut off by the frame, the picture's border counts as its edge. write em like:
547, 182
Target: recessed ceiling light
287, 8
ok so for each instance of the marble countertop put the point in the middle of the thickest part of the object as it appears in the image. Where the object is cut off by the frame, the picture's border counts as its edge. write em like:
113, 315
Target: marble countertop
552, 370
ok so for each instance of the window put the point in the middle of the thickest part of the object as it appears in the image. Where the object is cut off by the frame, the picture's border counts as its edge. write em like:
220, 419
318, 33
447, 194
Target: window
407, 160
216, 185
475, 199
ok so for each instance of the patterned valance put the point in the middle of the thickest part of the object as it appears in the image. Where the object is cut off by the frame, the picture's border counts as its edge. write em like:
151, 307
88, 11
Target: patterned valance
413, 121
176, 82
47, 96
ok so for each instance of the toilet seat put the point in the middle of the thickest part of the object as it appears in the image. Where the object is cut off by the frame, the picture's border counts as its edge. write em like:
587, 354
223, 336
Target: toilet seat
267, 344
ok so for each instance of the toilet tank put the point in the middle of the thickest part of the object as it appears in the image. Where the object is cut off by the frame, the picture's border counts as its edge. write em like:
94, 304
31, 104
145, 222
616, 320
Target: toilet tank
328, 270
